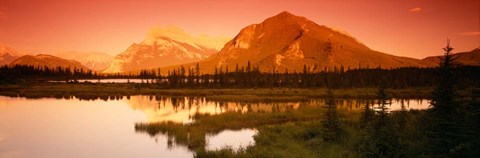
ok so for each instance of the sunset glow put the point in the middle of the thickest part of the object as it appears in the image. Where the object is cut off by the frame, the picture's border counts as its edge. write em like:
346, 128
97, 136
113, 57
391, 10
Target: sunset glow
239, 78
413, 28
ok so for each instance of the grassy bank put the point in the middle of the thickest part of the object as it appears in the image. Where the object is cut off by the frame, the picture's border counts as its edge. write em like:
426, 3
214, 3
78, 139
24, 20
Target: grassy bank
193, 135
293, 133
106, 90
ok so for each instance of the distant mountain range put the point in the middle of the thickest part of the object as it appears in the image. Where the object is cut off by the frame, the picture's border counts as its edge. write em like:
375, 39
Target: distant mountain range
88, 60
47, 60
165, 47
284, 42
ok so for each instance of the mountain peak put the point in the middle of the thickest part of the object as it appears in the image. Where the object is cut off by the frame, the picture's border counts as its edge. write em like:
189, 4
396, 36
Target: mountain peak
169, 45
159, 34
47, 60
287, 41
7, 54
6, 49
286, 16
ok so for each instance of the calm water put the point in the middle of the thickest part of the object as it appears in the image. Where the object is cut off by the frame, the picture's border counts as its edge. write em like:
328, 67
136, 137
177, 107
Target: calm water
54, 128
114, 80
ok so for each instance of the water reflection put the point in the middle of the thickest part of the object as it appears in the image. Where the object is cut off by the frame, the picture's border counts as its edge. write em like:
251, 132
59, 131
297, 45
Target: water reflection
243, 137
110, 81
98, 126
183, 109
54, 128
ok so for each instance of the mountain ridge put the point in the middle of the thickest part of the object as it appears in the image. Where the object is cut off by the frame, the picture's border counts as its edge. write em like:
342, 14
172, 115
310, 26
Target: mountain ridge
471, 58
96, 61
47, 60
286, 42
7, 55
162, 48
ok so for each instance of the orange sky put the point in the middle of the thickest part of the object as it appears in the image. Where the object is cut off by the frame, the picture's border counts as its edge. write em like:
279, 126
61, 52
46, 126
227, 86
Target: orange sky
414, 28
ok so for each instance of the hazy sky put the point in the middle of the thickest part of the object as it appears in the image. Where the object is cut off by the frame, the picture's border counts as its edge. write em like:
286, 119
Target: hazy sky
414, 28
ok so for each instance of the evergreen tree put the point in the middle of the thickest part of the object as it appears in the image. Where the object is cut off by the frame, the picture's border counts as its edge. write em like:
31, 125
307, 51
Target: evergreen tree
367, 115
443, 130
330, 123
382, 139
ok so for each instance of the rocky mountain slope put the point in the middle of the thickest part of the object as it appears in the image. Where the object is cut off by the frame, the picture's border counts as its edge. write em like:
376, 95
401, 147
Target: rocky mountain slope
286, 41
165, 47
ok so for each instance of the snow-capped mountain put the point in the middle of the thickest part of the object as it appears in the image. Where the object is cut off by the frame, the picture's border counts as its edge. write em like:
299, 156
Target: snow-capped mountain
7, 55
165, 47
93, 60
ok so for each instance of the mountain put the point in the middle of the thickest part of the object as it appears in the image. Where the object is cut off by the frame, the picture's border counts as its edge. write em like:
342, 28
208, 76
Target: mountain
287, 41
47, 60
165, 47
93, 60
7, 55
471, 58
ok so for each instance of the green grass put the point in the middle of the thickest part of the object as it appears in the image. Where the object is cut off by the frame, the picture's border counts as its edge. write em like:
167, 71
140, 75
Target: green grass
291, 133
106, 90
303, 139
193, 135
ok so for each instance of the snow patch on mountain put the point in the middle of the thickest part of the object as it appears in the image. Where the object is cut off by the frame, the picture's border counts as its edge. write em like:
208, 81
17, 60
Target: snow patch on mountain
178, 34
294, 51
165, 47
245, 37
278, 59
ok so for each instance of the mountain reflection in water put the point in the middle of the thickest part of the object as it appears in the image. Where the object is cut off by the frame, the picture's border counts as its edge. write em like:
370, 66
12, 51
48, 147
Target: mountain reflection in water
94, 127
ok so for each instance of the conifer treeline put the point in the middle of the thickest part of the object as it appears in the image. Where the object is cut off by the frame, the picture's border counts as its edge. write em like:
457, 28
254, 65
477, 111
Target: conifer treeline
251, 77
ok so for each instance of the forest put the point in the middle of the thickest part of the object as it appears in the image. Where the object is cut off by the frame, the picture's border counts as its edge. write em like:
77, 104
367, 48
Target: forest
251, 77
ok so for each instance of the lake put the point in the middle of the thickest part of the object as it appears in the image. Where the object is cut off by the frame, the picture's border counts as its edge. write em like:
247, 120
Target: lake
111, 81
54, 128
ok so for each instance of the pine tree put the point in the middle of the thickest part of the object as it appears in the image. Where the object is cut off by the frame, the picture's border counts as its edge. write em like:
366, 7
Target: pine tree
443, 117
367, 115
331, 125
381, 139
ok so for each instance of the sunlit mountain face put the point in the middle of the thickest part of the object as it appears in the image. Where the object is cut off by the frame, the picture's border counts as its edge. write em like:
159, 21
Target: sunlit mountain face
286, 42
165, 47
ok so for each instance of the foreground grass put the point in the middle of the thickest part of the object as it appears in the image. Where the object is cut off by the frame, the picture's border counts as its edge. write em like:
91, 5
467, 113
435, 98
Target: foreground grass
193, 135
303, 139
292, 133
109, 90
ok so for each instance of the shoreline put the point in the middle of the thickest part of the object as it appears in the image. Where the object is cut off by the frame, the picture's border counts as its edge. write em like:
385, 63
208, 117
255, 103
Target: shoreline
108, 90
